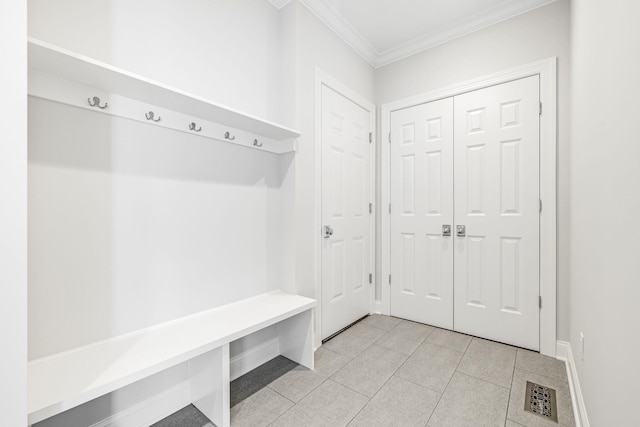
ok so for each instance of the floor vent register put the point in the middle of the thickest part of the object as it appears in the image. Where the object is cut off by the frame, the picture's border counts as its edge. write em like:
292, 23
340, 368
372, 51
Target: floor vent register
541, 401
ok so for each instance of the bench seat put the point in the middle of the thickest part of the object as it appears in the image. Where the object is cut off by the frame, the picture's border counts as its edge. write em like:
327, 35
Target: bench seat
62, 381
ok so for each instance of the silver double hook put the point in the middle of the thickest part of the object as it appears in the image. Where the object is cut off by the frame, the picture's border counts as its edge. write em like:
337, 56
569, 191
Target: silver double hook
151, 116
96, 103
192, 126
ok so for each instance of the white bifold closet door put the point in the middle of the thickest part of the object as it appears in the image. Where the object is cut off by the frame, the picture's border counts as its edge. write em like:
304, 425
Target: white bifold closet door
497, 199
481, 176
422, 203
345, 210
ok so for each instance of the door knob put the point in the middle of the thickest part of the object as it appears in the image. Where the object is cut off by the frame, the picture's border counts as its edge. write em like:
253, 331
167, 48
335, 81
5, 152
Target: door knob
446, 230
328, 231
461, 231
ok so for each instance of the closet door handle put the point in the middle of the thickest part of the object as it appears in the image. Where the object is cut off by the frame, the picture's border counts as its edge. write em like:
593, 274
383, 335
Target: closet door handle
446, 230
328, 231
461, 230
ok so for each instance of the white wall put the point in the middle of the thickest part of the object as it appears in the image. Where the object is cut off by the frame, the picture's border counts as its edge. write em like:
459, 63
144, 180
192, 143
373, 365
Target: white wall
223, 50
529, 37
605, 201
13, 214
316, 47
130, 224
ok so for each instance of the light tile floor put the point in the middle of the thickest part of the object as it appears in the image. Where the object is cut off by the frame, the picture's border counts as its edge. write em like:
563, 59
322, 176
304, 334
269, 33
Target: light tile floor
386, 371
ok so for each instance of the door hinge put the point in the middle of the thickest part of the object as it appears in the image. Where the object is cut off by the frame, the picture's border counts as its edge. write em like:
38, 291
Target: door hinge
540, 205
370, 137
389, 208
389, 280
389, 137
539, 302
370, 208
370, 278
540, 112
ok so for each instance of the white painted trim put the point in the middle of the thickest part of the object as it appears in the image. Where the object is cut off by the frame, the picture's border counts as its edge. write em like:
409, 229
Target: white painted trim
342, 28
546, 69
70, 93
256, 356
333, 19
279, 4
323, 78
69, 66
151, 410
13, 214
565, 354
483, 20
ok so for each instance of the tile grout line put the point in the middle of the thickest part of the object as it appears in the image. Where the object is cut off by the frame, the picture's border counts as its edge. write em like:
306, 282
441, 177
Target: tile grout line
421, 385
513, 377
545, 376
390, 376
447, 386
484, 379
294, 403
369, 399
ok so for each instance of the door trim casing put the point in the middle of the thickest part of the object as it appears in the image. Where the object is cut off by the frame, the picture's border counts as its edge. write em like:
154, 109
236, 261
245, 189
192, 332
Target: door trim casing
546, 69
324, 79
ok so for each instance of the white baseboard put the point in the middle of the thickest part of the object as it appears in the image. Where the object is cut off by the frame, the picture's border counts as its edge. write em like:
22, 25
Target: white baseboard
151, 410
249, 360
564, 353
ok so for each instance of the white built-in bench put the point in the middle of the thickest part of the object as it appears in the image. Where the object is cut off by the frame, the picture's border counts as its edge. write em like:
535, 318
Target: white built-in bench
65, 380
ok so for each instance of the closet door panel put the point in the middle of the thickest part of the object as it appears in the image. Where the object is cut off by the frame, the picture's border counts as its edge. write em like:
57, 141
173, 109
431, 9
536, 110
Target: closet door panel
421, 203
497, 200
345, 210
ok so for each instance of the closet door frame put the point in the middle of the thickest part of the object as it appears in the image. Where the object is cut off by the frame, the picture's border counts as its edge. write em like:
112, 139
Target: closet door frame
546, 69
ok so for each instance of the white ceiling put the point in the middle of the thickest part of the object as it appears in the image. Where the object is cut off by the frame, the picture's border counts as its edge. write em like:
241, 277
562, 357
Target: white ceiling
384, 31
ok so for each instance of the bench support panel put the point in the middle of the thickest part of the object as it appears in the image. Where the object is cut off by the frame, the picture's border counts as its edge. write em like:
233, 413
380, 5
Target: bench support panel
296, 338
209, 379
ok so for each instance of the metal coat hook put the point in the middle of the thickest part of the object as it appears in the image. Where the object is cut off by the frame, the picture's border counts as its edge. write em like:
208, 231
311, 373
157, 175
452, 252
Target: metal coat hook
150, 116
256, 143
192, 126
96, 103
228, 136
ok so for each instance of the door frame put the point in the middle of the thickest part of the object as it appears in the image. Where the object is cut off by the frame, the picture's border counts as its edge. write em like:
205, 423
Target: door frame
546, 69
324, 79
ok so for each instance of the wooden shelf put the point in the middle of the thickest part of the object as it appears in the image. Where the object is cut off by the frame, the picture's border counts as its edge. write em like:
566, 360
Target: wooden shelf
63, 381
60, 63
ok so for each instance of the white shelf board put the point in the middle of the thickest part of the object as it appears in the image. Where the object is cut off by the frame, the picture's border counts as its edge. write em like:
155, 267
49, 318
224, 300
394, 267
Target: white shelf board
65, 380
68, 65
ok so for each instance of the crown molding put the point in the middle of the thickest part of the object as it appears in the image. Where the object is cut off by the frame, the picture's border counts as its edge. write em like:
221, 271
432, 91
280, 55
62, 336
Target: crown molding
483, 20
279, 4
336, 22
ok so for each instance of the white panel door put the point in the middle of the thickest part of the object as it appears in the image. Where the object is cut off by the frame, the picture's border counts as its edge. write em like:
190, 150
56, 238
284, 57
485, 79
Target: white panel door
421, 204
345, 210
497, 200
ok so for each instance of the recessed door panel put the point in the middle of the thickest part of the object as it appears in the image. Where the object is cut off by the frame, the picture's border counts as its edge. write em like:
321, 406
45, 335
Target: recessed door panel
434, 183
